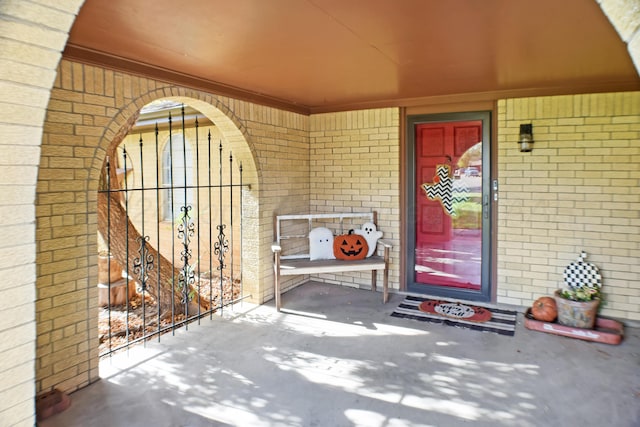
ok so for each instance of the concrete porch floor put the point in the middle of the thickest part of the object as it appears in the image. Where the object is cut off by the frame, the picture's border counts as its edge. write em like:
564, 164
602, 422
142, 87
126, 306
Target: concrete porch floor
337, 358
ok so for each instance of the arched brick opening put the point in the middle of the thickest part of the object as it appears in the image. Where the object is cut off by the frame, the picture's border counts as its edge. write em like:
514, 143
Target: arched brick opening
234, 133
82, 121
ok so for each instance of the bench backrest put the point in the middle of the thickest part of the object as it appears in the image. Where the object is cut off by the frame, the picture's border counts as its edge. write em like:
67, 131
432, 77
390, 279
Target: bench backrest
292, 231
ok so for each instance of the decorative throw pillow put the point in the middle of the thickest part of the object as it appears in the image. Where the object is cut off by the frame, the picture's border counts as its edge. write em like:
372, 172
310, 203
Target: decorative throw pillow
320, 244
370, 233
350, 246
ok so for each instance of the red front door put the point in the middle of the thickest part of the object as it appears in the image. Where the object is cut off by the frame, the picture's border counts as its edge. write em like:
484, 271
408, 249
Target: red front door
448, 201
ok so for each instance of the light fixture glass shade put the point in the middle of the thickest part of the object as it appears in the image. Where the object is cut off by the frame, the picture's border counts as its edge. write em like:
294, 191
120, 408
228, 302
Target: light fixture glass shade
526, 138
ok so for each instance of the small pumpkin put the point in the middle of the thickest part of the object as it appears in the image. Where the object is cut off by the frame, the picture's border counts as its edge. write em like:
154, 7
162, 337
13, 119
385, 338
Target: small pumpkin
544, 309
350, 246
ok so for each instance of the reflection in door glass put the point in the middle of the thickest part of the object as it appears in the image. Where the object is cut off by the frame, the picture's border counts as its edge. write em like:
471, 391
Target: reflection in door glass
448, 245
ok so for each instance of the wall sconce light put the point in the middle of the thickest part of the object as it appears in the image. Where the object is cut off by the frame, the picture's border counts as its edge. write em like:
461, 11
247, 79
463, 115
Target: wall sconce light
526, 138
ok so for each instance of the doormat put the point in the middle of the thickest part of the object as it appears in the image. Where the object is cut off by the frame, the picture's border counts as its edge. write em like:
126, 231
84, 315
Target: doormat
477, 318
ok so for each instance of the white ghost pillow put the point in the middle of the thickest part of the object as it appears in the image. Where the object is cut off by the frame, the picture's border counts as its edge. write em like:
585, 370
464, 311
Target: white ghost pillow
321, 244
371, 235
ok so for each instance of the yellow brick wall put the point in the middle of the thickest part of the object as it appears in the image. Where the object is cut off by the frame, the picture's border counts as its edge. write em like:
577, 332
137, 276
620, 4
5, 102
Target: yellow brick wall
88, 107
579, 189
32, 36
355, 167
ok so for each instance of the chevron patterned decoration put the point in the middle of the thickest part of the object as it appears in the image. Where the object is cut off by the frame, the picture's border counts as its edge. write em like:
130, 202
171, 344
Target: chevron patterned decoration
442, 188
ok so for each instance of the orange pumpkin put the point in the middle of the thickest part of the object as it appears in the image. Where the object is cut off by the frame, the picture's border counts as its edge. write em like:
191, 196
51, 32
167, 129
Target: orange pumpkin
544, 309
350, 246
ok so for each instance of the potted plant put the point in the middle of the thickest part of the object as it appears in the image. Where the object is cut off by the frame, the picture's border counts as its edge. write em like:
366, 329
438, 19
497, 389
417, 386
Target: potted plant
578, 305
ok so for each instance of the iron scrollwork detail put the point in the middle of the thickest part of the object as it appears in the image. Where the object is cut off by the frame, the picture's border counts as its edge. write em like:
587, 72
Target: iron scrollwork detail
221, 247
186, 278
143, 264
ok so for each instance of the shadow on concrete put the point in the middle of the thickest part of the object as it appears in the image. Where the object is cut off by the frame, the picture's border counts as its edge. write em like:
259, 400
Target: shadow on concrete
335, 357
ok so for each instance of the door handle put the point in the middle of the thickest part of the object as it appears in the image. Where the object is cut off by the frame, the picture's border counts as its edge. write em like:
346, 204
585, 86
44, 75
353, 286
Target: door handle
485, 206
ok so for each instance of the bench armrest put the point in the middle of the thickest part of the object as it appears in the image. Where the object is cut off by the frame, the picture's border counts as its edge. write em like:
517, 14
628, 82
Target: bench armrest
385, 243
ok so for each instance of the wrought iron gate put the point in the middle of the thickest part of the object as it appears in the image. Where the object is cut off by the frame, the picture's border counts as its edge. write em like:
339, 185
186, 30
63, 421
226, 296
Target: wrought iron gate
165, 266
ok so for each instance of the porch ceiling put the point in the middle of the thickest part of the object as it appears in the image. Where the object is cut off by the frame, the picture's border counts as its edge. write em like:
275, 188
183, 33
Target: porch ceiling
329, 55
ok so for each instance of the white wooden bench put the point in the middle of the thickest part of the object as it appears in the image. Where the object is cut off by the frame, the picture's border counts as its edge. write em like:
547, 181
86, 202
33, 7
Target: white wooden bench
292, 232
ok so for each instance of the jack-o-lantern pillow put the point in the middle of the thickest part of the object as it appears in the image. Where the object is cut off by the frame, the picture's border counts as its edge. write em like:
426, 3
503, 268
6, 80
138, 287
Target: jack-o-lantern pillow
350, 246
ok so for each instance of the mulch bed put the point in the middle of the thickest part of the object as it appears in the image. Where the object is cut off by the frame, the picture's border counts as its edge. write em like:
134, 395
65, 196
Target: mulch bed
141, 317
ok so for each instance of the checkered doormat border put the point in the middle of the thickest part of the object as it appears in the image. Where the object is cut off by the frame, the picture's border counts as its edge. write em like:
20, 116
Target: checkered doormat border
502, 322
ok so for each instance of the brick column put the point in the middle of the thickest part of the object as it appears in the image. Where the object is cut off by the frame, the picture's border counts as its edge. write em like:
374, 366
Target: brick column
32, 36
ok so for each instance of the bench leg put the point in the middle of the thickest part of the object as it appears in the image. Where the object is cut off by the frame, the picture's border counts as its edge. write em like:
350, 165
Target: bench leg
385, 277
276, 289
373, 280
385, 286
277, 292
